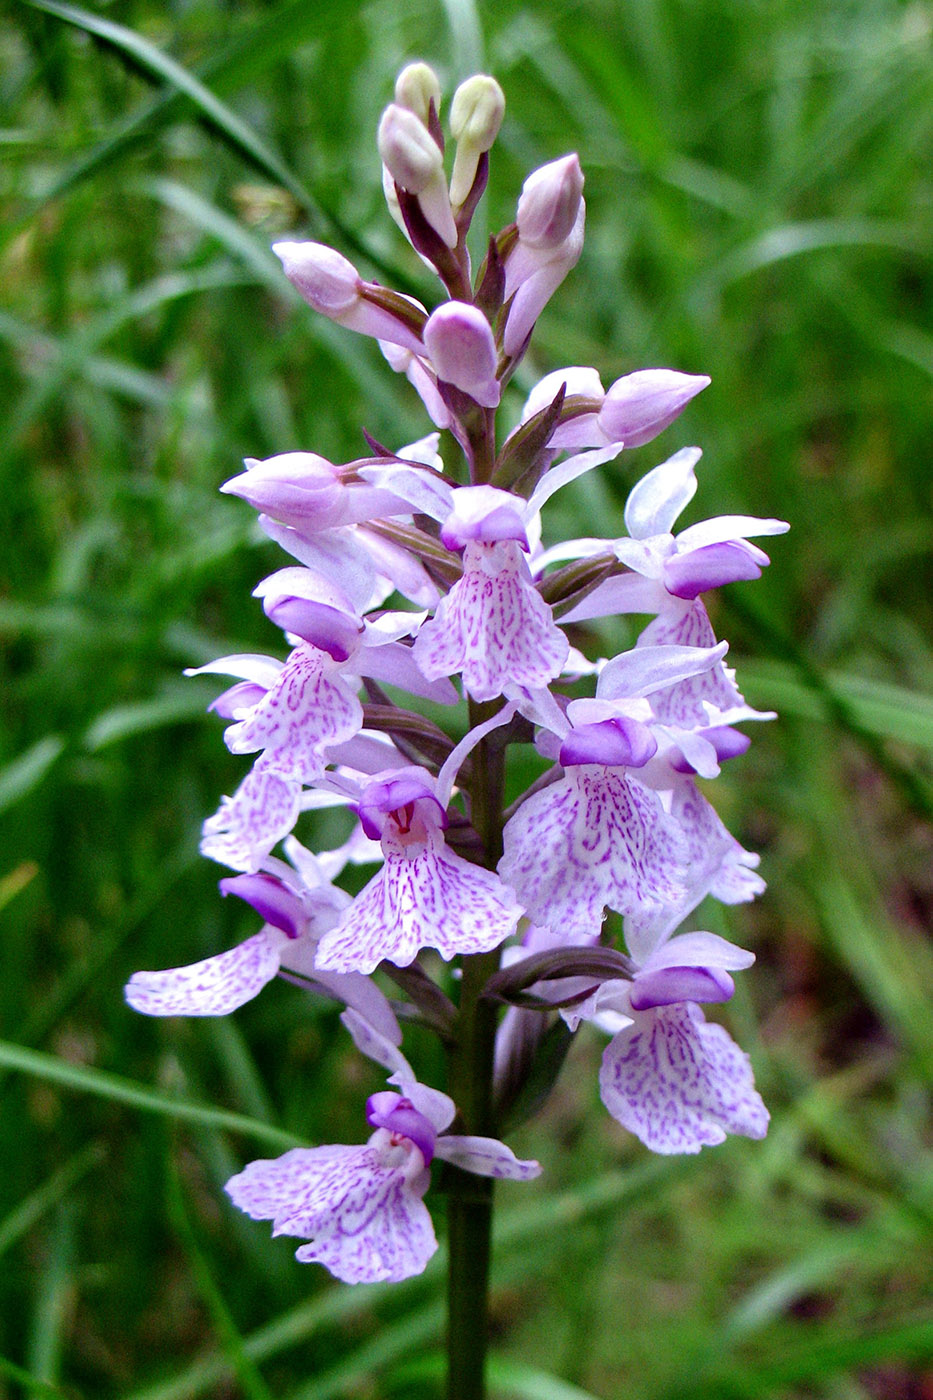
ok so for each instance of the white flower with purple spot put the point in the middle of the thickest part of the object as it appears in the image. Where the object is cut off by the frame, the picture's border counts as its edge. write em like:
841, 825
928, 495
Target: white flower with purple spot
493, 626
596, 837
425, 896
362, 1208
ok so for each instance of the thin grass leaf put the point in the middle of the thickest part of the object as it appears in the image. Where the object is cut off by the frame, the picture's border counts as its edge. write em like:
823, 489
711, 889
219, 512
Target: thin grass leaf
53, 1297
21, 777
889, 711
31, 1384
23, 1217
241, 1364
139, 51
16, 880
144, 716
506, 1378
126, 1091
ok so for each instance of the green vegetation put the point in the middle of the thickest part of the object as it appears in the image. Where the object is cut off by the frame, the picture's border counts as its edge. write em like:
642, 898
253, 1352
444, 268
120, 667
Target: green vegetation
760, 208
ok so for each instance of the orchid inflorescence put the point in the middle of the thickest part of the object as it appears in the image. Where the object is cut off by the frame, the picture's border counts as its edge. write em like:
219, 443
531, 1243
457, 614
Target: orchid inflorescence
409, 577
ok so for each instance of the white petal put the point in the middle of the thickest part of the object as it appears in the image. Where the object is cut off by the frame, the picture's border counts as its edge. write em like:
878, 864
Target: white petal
434, 899
365, 1219
213, 987
657, 500
486, 1157
680, 1084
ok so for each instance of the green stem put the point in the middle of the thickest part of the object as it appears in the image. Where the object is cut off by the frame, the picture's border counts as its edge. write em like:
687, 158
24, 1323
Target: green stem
470, 1197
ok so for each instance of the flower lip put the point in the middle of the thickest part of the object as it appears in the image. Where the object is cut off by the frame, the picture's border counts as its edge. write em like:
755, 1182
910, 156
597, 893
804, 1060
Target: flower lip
614, 742
669, 985
400, 1117
273, 903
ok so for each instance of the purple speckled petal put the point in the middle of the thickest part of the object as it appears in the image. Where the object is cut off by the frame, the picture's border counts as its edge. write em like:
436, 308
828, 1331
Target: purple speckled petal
486, 1157
360, 1206
432, 899
594, 838
309, 707
213, 987
493, 626
247, 825
684, 704
680, 1084
712, 853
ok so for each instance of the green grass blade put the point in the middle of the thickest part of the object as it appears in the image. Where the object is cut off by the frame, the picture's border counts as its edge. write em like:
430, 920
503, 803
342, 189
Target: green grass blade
159, 65
24, 1216
127, 1091
21, 777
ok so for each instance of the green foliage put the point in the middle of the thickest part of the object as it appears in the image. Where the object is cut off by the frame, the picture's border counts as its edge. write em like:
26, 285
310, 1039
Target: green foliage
759, 208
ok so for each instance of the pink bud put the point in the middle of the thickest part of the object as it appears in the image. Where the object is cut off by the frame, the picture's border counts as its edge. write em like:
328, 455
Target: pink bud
331, 285
460, 343
550, 203
416, 164
641, 405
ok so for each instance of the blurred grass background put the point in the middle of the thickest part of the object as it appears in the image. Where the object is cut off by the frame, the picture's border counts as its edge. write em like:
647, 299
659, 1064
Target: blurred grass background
760, 208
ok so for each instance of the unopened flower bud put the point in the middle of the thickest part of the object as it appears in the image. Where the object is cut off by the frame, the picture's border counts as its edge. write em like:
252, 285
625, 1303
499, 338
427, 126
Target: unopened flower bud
475, 118
550, 203
331, 285
462, 350
416, 87
414, 160
639, 406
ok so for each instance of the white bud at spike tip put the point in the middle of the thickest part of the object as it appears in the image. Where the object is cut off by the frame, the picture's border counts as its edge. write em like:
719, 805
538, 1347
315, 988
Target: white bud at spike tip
416, 164
460, 342
475, 118
416, 87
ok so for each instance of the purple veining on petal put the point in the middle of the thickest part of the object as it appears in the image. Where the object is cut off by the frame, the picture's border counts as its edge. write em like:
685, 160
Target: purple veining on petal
212, 987
669, 985
423, 897
689, 575
264, 808
678, 1083
493, 626
615, 742
399, 1115
273, 903
309, 707
688, 624
360, 1207
324, 627
594, 838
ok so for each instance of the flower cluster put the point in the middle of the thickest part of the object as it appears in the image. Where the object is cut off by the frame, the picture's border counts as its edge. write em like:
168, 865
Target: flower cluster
413, 581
